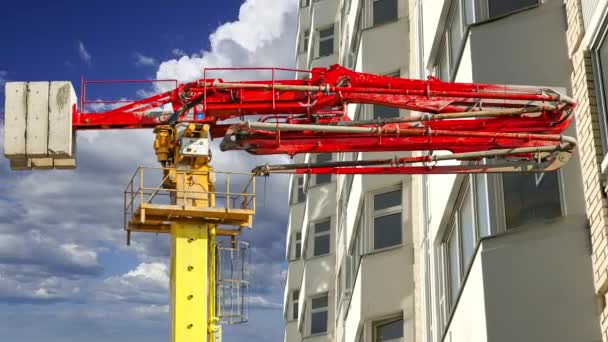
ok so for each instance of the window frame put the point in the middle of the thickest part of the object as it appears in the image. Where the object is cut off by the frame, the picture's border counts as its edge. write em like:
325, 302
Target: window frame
601, 86
321, 234
317, 176
372, 14
297, 242
304, 3
381, 322
482, 10
318, 310
322, 39
372, 214
295, 304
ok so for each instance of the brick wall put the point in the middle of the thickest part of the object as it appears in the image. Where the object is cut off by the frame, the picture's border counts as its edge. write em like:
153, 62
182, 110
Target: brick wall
591, 153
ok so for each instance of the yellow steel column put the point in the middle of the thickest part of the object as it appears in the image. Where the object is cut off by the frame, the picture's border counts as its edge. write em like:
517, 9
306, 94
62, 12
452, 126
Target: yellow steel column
189, 274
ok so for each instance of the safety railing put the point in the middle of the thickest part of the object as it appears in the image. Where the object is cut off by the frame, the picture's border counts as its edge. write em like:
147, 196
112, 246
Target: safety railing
155, 187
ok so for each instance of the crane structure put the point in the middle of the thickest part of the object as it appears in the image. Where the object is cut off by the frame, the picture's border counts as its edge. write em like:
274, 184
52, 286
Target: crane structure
449, 128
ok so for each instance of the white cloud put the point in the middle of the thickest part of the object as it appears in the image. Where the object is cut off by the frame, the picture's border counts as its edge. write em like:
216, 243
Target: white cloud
148, 283
142, 60
178, 52
85, 56
263, 35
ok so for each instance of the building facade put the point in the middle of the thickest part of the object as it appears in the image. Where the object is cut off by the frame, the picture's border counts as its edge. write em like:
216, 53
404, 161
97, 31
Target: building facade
445, 257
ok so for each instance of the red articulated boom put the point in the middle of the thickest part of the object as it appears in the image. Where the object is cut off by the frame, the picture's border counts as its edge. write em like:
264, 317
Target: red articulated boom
519, 129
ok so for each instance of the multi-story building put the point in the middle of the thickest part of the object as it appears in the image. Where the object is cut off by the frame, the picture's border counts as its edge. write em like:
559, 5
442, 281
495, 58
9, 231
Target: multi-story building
444, 257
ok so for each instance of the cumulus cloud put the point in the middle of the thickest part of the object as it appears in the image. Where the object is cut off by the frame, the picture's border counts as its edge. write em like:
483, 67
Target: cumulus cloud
56, 225
84, 54
142, 60
147, 284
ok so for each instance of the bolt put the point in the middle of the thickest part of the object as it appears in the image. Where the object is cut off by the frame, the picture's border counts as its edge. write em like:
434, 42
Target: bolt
190, 268
190, 240
190, 297
189, 326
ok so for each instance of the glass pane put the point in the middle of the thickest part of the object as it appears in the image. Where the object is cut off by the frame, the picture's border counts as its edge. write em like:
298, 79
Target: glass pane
467, 228
385, 11
298, 251
390, 331
481, 188
603, 61
384, 112
326, 47
319, 302
387, 231
318, 322
295, 310
500, 7
455, 34
387, 200
323, 178
321, 245
322, 227
325, 33
323, 157
348, 271
296, 294
444, 69
454, 265
526, 201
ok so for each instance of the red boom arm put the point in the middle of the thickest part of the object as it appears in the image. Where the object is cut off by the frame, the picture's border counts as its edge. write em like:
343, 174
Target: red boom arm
472, 121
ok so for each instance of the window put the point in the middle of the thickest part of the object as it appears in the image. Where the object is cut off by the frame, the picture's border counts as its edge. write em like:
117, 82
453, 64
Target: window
385, 11
389, 330
453, 264
304, 3
323, 178
600, 58
298, 246
318, 314
356, 253
304, 42
300, 192
525, 200
387, 219
455, 32
497, 8
322, 238
326, 41
462, 237
295, 299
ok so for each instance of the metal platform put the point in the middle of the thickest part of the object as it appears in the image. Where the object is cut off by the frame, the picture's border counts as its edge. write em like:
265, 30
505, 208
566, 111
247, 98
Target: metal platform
152, 202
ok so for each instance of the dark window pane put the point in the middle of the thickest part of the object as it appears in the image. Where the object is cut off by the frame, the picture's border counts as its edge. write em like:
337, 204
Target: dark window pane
455, 34
323, 178
385, 112
322, 227
321, 245
499, 7
295, 310
298, 252
326, 47
318, 322
387, 200
296, 294
385, 11
526, 201
387, 231
390, 331
319, 302
323, 157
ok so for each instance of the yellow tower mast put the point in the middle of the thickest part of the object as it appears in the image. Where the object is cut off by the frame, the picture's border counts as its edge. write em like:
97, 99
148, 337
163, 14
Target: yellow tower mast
190, 214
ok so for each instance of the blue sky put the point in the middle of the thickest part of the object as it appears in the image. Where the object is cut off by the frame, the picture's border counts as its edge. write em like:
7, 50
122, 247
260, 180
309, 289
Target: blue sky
65, 272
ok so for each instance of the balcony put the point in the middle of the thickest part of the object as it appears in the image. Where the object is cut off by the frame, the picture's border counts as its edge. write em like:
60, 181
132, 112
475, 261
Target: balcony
516, 276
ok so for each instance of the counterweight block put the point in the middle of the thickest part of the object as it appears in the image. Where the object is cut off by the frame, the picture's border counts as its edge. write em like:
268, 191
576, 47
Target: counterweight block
38, 130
